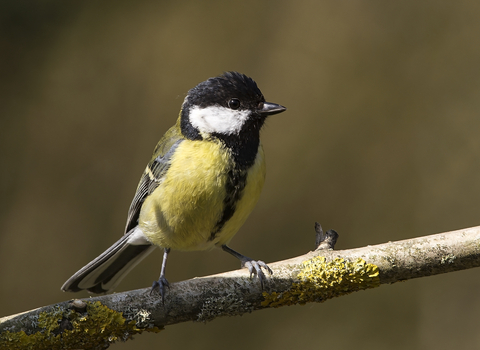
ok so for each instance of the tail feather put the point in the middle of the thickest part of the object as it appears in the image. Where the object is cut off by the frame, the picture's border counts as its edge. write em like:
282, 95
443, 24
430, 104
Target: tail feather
108, 269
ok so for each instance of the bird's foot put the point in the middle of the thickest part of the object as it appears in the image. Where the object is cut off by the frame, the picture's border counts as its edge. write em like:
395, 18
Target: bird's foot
255, 268
159, 286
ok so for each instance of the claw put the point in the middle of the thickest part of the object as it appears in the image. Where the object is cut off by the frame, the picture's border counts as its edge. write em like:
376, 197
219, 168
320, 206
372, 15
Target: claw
265, 266
253, 266
160, 287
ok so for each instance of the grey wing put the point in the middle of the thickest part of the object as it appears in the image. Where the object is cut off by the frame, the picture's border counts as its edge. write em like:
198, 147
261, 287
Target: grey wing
151, 178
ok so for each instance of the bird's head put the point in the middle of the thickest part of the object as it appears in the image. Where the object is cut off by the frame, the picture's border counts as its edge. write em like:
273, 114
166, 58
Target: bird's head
230, 105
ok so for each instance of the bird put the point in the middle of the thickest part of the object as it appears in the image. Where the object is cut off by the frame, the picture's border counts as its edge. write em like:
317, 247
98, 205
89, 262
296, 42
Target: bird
202, 182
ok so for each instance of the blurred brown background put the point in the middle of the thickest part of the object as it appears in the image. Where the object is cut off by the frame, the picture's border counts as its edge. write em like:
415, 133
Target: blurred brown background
380, 142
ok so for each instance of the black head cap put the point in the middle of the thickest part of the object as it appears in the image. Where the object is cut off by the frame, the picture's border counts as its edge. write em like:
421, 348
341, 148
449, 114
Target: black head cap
220, 90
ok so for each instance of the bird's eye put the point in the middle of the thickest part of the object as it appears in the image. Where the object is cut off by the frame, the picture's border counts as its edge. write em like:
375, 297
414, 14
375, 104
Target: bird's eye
260, 105
234, 103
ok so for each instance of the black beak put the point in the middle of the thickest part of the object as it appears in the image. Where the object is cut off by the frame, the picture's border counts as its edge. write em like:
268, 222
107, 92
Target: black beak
270, 109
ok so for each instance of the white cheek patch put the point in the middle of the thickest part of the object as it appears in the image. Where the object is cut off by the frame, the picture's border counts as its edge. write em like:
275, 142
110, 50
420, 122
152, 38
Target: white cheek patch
217, 119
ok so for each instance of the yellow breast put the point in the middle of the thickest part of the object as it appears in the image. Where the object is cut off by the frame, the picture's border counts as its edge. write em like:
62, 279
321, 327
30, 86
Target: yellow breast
185, 208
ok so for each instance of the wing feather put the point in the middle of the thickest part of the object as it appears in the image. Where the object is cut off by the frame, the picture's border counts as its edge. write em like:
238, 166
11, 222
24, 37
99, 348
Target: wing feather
154, 173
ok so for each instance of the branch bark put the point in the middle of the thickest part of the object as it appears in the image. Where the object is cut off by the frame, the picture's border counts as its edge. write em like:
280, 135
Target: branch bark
95, 323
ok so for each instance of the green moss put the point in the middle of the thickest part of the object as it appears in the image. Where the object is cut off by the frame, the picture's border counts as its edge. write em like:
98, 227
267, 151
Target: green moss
319, 281
97, 328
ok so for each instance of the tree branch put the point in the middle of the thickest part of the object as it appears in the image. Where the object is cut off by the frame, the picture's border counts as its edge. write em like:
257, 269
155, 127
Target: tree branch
95, 323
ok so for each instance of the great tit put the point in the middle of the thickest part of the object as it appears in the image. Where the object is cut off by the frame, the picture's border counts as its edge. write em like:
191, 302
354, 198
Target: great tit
203, 180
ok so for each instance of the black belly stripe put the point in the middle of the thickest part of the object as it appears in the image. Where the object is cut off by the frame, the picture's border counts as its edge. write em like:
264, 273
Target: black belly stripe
236, 181
243, 151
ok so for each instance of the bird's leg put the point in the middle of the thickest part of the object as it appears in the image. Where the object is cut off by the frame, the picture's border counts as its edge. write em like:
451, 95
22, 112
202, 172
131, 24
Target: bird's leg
253, 266
162, 281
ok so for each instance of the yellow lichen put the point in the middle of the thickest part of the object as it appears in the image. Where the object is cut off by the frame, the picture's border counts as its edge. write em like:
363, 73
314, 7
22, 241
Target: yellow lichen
319, 281
67, 329
49, 320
